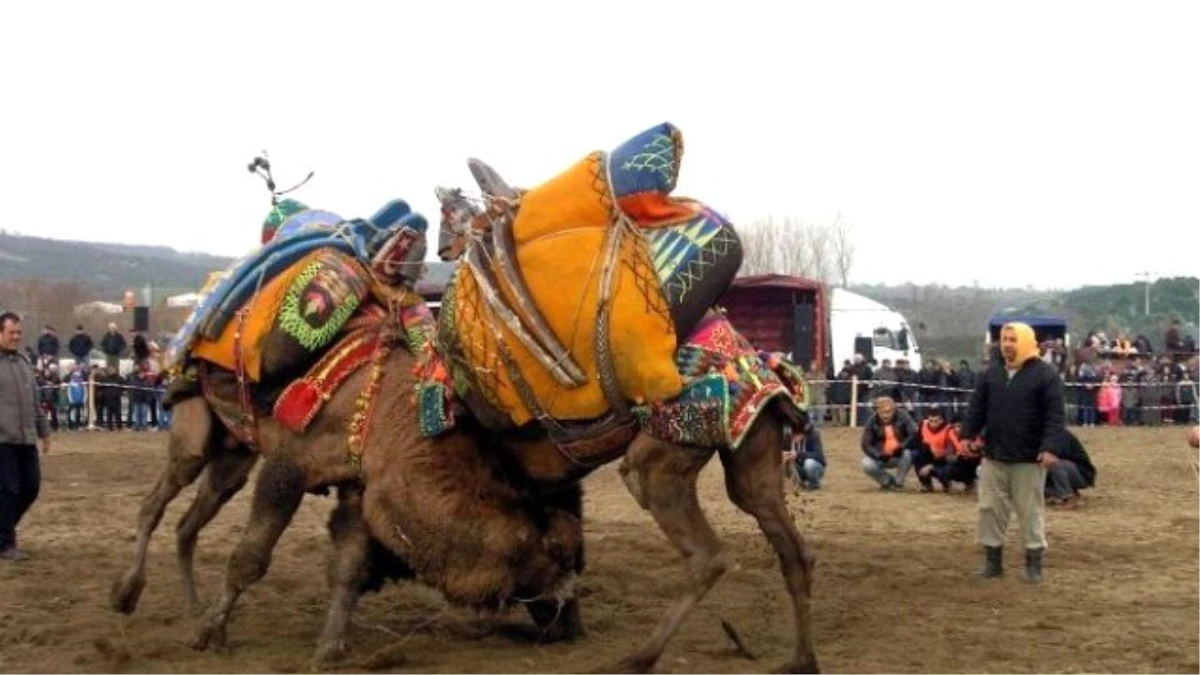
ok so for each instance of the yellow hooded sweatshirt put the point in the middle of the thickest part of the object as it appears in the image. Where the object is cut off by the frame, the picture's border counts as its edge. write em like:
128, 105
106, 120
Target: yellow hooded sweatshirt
1027, 347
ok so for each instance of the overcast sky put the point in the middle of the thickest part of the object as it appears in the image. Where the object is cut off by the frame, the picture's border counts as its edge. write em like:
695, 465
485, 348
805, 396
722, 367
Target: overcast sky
958, 139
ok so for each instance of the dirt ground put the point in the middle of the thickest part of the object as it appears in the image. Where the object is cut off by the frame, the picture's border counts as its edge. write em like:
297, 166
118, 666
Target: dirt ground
893, 590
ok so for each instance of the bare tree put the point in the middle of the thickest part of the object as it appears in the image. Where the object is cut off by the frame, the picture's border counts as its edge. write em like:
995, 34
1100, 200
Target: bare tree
773, 247
843, 250
817, 240
793, 247
758, 247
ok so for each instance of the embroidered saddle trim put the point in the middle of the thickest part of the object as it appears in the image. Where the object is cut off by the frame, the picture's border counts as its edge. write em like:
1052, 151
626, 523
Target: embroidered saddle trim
304, 398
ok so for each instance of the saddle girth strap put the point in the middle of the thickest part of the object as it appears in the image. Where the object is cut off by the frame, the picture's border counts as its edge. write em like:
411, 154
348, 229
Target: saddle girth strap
606, 372
249, 420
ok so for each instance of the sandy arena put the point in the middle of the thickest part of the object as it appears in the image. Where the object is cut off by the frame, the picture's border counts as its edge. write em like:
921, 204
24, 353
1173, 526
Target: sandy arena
893, 589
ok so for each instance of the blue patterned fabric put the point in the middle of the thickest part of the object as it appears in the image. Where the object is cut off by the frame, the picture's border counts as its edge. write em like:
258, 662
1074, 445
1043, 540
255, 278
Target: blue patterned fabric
312, 218
398, 212
648, 162
685, 254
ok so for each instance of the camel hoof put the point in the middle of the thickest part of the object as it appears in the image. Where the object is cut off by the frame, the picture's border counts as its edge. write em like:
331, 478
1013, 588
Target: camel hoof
126, 593
809, 666
208, 635
565, 625
330, 652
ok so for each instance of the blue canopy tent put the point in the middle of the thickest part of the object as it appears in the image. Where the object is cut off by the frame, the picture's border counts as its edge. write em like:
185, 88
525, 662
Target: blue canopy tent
1046, 327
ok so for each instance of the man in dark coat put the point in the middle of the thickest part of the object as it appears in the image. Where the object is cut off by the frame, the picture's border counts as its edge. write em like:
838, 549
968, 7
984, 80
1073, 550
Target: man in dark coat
48, 346
81, 346
112, 344
1071, 473
806, 459
1018, 406
22, 427
888, 442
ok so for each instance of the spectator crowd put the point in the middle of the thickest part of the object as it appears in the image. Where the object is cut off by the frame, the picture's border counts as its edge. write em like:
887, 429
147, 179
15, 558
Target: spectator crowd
71, 390
1107, 382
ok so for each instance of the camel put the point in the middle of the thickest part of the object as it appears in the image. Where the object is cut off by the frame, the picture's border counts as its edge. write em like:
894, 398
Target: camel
439, 510
661, 475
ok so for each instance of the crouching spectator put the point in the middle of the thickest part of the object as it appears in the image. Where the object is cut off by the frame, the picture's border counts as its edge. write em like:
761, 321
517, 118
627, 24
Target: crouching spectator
965, 468
887, 443
934, 456
1071, 472
806, 459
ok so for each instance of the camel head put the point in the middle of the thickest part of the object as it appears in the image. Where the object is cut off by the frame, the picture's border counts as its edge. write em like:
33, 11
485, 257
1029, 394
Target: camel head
458, 221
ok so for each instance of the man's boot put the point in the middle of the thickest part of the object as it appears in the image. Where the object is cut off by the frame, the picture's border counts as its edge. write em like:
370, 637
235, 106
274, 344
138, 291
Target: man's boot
993, 565
1033, 565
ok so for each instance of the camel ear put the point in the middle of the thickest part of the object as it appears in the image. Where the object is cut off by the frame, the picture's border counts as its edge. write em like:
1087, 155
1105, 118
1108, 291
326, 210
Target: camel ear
490, 182
446, 195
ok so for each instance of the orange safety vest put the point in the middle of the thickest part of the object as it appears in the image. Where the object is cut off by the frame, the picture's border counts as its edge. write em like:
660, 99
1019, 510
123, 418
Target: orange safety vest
936, 441
890, 443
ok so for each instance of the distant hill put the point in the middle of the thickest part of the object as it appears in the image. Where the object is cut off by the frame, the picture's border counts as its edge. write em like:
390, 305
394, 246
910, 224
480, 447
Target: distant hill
948, 321
107, 268
212, 262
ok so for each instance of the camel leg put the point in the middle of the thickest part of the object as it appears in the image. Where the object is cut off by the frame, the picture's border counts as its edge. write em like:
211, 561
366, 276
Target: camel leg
228, 471
348, 571
561, 623
666, 478
752, 475
558, 623
191, 437
278, 492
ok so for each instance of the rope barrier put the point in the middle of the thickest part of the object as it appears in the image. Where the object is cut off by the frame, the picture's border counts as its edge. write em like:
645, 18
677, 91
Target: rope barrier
956, 400
915, 385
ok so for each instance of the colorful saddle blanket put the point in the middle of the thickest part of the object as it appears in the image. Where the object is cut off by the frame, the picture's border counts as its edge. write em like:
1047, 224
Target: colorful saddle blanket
300, 234
361, 342
291, 319
727, 385
606, 229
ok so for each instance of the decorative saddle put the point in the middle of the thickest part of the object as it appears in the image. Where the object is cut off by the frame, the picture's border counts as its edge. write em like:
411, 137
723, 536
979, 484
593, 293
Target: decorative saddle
288, 299
571, 296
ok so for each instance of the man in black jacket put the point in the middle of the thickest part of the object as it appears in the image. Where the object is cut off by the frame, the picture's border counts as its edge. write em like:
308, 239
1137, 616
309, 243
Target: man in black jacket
47, 345
888, 442
80, 346
112, 344
1071, 473
806, 460
1018, 406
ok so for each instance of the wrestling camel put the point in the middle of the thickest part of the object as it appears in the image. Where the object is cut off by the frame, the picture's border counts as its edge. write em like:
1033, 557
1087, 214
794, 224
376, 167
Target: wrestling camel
441, 507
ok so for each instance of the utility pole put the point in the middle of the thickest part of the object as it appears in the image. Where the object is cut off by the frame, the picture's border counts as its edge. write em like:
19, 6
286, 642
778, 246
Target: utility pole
1146, 277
